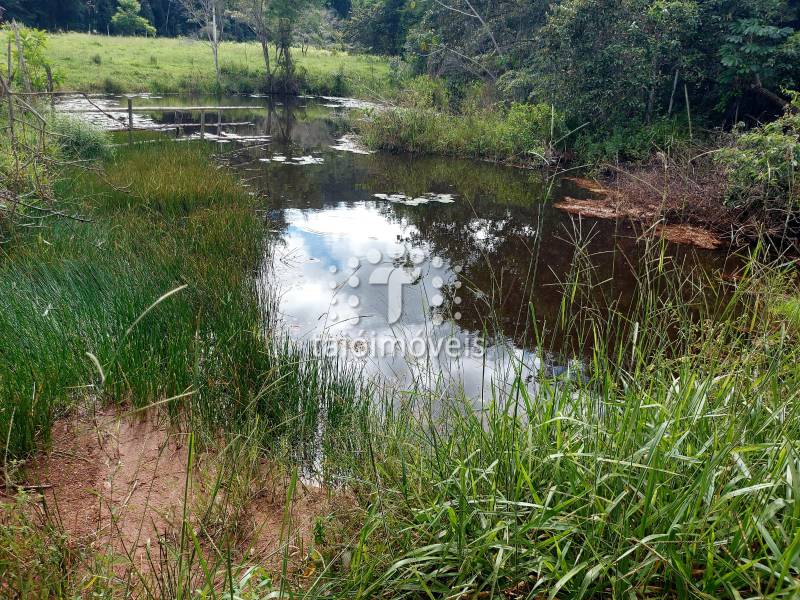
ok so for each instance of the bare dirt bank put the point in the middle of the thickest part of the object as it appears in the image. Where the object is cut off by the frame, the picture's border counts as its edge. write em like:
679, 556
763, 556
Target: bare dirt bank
116, 483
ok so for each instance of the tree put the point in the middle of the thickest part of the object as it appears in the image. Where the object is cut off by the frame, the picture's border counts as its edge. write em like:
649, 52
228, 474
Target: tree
380, 26
128, 20
147, 11
274, 22
256, 15
46, 14
209, 15
755, 56
287, 14
30, 57
318, 27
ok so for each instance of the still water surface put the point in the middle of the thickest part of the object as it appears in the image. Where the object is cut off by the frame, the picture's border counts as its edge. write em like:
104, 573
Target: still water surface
422, 271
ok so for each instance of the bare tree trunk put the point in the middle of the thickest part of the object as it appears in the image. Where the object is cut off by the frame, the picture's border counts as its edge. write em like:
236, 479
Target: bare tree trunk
672, 95
215, 41
265, 52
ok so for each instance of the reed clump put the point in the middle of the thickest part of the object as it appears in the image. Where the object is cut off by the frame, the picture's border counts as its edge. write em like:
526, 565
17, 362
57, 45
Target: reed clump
154, 298
666, 467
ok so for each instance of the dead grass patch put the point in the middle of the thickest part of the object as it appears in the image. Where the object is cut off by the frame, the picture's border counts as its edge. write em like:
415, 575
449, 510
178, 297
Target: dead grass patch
680, 199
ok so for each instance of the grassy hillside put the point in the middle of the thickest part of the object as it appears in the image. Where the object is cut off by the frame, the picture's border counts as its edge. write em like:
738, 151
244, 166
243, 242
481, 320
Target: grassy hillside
164, 65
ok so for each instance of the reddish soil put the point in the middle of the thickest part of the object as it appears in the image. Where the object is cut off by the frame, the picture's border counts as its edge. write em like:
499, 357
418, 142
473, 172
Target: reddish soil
117, 483
114, 482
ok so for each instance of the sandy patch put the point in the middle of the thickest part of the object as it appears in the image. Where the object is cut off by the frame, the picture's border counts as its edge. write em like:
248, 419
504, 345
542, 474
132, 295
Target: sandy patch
117, 483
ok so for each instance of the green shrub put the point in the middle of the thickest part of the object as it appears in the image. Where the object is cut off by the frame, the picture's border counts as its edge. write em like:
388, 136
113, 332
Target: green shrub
238, 79
34, 50
425, 92
397, 70
339, 85
632, 143
531, 128
516, 86
112, 86
762, 165
79, 140
477, 97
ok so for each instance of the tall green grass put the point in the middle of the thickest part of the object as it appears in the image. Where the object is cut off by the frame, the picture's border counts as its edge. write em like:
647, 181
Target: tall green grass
666, 467
522, 134
669, 469
154, 299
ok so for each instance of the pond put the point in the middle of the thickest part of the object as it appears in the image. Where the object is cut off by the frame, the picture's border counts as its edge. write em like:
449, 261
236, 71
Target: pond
425, 272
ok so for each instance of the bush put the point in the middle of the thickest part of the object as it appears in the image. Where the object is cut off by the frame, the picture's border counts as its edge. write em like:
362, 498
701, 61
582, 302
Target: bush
632, 143
339, 85
112, 86
238, 79
531, 128
397, 69
516, 86
425, 92
762, 165
34, 51
78, 140
477, 96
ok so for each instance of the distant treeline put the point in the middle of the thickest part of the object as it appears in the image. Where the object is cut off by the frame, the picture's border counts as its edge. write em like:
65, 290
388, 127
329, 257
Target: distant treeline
608, 65
168, 16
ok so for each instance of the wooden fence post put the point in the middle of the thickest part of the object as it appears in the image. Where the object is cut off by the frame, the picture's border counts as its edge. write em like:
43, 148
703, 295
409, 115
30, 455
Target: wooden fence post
130, 120
50, 87
202, 124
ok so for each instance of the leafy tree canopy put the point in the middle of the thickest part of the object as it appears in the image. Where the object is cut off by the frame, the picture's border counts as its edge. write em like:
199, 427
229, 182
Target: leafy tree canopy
129, 21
